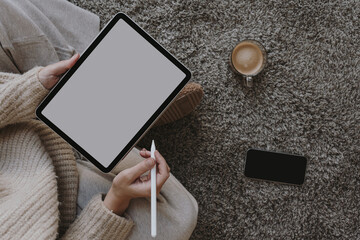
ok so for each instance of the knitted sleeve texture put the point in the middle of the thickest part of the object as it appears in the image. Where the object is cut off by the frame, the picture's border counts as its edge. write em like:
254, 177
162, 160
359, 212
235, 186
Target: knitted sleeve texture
98, 222
19, 96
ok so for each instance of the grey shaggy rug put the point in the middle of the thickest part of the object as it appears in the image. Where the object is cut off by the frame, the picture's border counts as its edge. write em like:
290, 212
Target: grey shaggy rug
305, 102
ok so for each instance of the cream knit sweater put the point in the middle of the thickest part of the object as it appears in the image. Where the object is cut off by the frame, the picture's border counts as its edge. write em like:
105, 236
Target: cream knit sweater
38, 175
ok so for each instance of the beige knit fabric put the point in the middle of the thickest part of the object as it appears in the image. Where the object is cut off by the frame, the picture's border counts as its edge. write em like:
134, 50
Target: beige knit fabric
38, 175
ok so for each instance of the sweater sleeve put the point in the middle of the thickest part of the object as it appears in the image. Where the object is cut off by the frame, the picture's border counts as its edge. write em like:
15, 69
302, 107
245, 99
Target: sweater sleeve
98, 222
7, 76
19, 96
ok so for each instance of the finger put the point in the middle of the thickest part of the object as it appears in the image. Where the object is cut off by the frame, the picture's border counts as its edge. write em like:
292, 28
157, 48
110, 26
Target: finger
62, 66
73, 60
144, 153
141, 188
163, 169
167, 165
144, 178
131, 174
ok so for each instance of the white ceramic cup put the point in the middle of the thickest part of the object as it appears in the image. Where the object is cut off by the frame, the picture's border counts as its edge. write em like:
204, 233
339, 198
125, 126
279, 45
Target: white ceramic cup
248, 59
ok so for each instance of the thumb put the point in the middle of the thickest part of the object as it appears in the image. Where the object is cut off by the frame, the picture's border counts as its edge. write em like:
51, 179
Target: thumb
140, 168
62, 66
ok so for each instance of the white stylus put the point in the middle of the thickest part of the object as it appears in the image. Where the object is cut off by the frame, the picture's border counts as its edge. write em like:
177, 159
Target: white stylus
153, 193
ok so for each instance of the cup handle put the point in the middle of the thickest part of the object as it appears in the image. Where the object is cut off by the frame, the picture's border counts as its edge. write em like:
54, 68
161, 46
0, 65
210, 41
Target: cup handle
248, 81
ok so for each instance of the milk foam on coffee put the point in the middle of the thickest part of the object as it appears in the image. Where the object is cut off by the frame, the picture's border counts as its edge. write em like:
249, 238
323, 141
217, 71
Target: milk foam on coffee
247, 58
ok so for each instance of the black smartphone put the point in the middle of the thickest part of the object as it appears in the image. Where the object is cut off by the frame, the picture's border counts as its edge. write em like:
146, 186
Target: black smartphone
274, 166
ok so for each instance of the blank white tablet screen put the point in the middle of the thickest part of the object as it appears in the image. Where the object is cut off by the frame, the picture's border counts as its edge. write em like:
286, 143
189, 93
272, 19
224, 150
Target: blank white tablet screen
113, 93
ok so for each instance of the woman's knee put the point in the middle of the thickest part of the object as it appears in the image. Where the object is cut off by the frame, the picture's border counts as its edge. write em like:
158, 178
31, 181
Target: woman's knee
184, 207
189, 219
177, 212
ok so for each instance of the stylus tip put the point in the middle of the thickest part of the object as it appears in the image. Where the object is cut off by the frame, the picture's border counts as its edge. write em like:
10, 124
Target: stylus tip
152, 147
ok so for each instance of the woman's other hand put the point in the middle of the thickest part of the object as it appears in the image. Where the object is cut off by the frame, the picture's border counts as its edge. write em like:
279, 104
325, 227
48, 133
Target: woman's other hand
131, 183
50, 75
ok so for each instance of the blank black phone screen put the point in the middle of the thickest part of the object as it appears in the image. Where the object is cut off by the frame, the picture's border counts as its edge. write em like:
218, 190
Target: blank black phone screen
278, 167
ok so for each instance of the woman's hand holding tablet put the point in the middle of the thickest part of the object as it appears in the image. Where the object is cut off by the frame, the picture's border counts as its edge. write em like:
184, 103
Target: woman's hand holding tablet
50, 75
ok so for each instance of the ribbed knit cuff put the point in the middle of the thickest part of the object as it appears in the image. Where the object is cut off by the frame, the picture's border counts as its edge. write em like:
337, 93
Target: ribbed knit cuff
98, 222
33, 88
33, 92
20, 96
29, 92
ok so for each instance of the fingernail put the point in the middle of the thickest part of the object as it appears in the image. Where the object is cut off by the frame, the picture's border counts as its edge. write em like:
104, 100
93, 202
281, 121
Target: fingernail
76, 55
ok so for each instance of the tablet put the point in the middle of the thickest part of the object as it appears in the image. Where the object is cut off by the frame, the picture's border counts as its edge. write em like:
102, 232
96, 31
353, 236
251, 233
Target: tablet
114, 93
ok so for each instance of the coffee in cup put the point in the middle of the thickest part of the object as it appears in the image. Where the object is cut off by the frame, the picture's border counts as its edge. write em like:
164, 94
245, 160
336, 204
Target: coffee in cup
248, 59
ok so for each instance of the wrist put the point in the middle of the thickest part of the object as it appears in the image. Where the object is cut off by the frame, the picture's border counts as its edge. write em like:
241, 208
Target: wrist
117, 204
